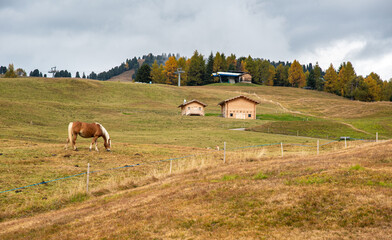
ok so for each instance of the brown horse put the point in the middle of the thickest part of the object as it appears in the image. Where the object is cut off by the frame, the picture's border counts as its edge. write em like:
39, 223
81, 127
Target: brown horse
88, 130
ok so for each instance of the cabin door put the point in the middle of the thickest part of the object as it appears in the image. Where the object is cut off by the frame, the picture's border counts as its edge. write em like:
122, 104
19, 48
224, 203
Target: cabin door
240, 115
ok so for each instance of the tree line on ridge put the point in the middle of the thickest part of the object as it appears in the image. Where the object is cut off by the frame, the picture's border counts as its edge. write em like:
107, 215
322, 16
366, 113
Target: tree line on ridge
198, 71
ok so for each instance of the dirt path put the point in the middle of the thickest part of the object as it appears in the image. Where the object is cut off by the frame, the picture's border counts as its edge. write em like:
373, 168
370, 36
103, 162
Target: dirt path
306, 114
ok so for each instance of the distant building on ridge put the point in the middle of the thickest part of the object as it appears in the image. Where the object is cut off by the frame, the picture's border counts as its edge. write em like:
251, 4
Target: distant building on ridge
233, 77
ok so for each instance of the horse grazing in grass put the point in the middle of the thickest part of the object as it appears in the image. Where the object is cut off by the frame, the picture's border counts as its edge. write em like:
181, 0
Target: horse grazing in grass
88, 130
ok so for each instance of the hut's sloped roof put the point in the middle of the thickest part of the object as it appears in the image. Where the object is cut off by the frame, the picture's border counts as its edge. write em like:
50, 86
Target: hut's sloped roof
192, 101
241, 96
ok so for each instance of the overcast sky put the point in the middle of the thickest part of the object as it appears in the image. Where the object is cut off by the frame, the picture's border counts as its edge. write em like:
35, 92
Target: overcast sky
96, 35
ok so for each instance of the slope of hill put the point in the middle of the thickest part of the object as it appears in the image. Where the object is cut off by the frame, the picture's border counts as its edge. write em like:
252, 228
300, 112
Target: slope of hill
340, 195
123, 77
145, 127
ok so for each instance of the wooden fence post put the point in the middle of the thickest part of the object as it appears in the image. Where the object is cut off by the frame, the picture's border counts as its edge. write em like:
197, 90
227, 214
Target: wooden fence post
281, 148
88, 176
376, 136
318, 146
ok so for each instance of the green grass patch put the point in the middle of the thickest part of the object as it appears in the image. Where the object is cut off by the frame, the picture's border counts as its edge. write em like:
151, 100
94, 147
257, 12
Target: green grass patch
380, 183
317, 129
259, 176
284, 117
356, 167
213, 114
312, 179
230, 177
78, 197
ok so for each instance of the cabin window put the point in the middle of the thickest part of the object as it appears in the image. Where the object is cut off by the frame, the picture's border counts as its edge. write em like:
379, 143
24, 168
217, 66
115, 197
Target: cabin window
249, 115
189, 108
199, 108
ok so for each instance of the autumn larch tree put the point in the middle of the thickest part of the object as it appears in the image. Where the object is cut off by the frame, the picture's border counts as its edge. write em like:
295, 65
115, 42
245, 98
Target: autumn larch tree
345, 77
10, 72
296, 75
157, 74
220, 64
374, 90
331, 80
231, 62
169, 69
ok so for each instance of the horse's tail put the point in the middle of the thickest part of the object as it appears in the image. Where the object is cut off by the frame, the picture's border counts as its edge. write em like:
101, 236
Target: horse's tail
70, 131
69, 138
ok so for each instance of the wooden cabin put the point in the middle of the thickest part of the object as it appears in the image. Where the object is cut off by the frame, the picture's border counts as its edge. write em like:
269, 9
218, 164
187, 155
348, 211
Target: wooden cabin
246, 78
192, 108
239, 107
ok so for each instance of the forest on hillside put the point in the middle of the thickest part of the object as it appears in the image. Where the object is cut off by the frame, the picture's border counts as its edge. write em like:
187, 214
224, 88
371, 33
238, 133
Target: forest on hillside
198, 70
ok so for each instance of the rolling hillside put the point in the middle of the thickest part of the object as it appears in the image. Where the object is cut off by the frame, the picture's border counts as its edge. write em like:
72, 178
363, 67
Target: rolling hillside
341, 193
123, 77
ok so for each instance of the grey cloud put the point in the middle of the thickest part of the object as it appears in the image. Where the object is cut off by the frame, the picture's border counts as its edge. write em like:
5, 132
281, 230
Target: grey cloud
97, 35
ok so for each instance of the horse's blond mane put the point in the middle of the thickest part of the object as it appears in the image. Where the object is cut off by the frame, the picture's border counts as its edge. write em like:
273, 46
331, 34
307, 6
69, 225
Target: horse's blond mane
104, 133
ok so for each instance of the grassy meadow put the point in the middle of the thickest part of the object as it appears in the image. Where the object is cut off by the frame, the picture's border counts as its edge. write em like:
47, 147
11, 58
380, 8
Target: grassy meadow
256, 190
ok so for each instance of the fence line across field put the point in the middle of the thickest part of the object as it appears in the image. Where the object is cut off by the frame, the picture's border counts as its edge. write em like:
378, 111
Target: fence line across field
88, 172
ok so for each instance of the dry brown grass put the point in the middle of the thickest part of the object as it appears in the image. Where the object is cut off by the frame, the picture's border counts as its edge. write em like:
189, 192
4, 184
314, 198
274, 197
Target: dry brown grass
341, 194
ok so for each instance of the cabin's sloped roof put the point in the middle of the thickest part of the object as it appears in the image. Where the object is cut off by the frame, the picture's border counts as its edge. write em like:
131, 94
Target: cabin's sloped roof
241, 96
192, 101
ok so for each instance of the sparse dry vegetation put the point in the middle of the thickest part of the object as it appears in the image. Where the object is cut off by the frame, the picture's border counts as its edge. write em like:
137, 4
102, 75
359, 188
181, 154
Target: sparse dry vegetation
343, 194
339, 194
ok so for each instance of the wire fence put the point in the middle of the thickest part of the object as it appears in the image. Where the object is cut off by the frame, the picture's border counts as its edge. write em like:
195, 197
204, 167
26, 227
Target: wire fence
184, 157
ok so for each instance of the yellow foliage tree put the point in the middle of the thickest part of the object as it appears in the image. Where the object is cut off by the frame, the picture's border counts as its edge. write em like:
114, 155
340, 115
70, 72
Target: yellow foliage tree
331, 80
10, 72
296, 75
231, 62
271, 75
157, 74
373, 88
169, 71
243, 66
345, 77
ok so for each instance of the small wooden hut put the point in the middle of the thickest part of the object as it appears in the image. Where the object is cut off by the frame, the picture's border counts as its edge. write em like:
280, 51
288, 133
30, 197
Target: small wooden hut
192, 108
